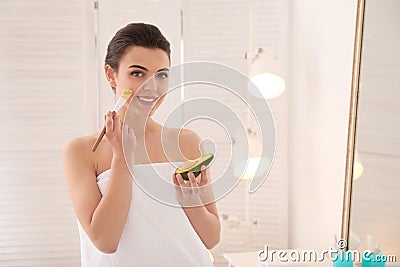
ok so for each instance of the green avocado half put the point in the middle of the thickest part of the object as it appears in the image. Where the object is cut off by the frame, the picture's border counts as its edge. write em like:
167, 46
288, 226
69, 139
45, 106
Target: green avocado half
194, 165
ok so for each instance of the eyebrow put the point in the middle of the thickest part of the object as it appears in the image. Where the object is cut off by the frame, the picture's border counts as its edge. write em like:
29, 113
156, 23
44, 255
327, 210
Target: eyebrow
144, 68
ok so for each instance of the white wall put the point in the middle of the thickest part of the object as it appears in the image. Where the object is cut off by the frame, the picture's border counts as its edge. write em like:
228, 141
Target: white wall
377, 138
45, 100
321, 63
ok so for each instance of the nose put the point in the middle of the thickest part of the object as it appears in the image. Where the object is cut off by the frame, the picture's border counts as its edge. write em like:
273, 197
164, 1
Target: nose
150, 84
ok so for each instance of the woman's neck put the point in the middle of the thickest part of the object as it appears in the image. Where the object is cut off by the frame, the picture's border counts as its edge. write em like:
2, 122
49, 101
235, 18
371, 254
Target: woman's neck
141, 124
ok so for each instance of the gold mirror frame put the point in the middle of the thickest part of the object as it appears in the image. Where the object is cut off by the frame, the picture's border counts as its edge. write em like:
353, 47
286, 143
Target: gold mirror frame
352, 123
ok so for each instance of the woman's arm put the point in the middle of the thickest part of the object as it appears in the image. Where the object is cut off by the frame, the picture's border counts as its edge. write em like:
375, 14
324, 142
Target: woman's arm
204, 219
102, 217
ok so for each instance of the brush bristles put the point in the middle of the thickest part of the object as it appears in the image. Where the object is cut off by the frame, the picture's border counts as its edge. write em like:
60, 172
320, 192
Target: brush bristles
126, 93
122, 99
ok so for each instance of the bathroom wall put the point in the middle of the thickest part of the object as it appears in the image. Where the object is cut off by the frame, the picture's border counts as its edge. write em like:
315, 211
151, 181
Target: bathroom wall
45, 100
320, 69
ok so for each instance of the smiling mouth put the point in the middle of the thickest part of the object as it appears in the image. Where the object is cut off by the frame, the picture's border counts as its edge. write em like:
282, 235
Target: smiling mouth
147, 100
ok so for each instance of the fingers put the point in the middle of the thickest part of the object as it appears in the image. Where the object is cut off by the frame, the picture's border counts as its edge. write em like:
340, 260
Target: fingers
175, 180
127, 130
192, 179
187, 192
204, 178
116, 122
180, 180
128, 142
124, 128
109, 122
203, 170
178, 187
129, 135
113, 121
190, 187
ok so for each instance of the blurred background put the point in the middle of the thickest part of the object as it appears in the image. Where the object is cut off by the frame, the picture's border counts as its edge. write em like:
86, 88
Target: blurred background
375, 213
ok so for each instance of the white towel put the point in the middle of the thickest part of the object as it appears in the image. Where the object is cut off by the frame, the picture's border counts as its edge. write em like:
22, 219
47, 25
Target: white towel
155, 234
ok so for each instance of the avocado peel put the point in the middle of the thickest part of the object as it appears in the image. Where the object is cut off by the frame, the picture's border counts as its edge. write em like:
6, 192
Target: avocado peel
194, 166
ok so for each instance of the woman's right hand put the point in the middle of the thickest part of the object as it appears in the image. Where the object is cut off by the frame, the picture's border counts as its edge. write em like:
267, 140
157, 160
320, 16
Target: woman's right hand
120, 137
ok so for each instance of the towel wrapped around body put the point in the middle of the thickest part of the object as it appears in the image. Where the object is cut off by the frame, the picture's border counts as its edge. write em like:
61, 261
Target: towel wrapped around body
155, 234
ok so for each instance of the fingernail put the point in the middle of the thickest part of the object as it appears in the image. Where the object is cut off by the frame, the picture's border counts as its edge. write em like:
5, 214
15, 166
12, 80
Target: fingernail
203, 167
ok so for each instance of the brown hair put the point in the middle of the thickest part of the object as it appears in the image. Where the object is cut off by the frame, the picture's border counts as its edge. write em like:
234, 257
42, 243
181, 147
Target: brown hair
134, 34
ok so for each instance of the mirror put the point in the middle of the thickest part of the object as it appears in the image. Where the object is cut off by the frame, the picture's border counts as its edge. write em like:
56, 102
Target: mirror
372, 199
76, 33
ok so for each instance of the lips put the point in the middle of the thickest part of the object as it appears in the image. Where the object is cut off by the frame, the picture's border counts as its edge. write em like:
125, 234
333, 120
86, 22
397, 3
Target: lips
147, 100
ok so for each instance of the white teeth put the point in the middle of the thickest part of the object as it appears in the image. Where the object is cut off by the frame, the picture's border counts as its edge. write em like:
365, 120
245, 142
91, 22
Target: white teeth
145, 99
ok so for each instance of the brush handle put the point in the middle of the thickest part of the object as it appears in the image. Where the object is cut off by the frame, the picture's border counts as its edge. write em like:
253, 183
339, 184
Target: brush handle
103, 132
122, 102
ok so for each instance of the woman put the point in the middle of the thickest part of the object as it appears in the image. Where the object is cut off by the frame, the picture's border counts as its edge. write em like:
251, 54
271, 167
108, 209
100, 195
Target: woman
119, 225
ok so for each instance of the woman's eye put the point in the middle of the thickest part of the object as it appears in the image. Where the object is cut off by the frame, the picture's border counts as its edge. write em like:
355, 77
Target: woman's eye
137, 73
162, 75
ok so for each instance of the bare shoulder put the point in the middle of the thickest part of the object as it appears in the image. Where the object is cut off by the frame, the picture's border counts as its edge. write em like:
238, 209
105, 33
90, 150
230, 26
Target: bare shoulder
187, 135
79, 146
189, 144
77, 153
182, 143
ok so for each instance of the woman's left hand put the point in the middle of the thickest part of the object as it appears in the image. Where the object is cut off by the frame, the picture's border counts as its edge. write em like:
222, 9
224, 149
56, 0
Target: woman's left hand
189, 193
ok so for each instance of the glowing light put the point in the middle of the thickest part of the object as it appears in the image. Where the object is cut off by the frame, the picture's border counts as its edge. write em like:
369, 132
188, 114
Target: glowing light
267, 85
253, 167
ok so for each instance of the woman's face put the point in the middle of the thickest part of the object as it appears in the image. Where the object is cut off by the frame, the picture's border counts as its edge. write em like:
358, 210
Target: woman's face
145, 71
